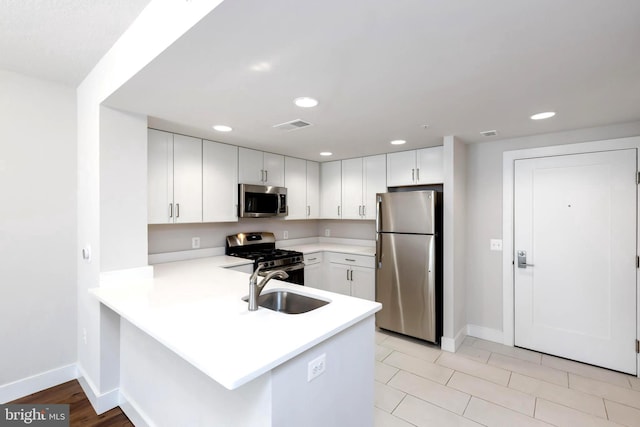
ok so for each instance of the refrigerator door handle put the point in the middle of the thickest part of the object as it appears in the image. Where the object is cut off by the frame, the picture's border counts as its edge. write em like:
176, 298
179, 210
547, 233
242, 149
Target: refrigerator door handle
378, 250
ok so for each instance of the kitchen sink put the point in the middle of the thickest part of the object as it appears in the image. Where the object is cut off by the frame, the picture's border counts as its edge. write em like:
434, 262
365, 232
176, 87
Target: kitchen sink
286, 301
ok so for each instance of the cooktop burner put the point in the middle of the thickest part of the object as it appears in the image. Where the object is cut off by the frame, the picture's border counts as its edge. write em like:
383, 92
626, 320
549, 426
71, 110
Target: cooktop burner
261, 247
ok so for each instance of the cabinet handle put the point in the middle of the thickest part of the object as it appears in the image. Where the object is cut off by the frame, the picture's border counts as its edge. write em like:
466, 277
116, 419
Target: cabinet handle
347, 274
413, 175
418, 174
266, 175
312, 259
177, 210
350, 260
170, 210
338, 210
308, 210
351, 271
359, 210
364, 210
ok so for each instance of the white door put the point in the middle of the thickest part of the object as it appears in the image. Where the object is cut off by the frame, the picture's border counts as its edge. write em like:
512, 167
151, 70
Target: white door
187, 179
352, 188
575, 217
273, 169
219, 182
430, 165
401, 168
159, 177
330, 190
313, 189
250, 166
295, 179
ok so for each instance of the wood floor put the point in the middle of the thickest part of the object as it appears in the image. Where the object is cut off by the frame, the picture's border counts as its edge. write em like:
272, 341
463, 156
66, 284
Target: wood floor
81, 411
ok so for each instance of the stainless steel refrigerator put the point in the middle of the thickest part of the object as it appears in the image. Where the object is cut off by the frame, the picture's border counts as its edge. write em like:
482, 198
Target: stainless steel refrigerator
406, 263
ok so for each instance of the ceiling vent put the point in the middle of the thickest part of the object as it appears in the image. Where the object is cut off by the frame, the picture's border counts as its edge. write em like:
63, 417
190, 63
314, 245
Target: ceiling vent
489, 133
292, 125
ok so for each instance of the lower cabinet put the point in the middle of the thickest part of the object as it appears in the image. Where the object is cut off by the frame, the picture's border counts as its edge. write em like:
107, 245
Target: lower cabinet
313, 269
352, 275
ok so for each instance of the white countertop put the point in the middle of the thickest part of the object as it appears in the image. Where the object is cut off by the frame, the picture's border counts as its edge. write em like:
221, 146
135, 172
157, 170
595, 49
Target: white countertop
195, 309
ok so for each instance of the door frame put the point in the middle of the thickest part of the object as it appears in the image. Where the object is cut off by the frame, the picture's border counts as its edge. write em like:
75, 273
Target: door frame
508, 268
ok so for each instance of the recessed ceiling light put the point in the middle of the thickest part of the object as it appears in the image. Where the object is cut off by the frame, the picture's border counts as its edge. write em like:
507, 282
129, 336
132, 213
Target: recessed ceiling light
541, 116
398, 142
222, 128
305, 102
326, 153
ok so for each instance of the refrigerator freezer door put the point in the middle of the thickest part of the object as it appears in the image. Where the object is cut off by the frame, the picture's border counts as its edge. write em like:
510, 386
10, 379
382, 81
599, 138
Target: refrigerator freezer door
405, 284
406, 212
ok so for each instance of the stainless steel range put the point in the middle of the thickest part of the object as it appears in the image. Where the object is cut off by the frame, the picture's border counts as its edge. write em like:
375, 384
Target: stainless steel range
261, 248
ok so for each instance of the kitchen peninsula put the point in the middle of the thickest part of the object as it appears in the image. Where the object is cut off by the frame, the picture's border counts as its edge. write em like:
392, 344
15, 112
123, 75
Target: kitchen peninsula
192, 354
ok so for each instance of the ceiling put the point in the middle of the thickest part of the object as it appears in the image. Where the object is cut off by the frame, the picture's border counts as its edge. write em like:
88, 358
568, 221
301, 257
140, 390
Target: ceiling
381, 70
61, 40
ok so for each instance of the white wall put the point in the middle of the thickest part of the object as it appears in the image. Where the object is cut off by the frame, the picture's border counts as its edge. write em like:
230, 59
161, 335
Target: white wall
484, 217
37, 227
123, 185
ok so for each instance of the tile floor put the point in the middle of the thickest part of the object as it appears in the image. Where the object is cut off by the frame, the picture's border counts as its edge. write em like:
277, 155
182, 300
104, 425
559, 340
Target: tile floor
488, 384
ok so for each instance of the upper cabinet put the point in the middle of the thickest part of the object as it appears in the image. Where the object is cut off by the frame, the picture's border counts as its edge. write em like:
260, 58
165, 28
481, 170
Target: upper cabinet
260, 168
331, 190
301, 177
415, 167
174, 177
219, 182
362, 178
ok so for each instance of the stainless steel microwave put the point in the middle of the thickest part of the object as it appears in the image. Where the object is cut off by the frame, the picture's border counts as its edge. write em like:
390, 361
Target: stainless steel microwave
260, 201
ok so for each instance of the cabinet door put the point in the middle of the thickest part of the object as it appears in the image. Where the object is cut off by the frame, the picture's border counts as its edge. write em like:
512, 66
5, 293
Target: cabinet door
295, 179
219, 182
401, 168
313, 277
430, 165
250, 166
363, 284
352, 188
313, 189
274, 169
330, 190
187, 179
374, 181
159, 177
338, 281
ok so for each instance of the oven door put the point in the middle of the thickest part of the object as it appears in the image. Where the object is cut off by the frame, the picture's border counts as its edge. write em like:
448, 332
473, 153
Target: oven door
295, 272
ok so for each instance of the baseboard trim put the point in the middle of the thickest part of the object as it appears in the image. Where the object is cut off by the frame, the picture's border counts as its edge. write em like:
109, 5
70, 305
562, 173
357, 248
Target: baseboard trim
452, 344
485, 333
35, 383
132, 410
101, 402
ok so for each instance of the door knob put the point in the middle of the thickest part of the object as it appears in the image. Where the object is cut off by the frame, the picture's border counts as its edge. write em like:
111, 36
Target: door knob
522, 260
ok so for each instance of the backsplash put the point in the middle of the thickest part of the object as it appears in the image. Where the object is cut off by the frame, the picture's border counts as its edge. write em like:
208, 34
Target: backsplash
177, 237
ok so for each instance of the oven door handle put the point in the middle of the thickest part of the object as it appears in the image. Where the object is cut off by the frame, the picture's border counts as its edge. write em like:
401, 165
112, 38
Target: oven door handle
293, 267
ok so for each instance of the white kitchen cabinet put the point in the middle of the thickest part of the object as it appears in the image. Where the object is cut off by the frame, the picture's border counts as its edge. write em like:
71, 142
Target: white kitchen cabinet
260, 168
330, 190
362, 178
219, 182
352, 275
415, 167
313, 189
301, 177
174, 171
313, 269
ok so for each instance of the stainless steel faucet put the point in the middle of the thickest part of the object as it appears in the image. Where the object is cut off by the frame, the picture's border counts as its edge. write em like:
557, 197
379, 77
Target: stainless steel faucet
255, 288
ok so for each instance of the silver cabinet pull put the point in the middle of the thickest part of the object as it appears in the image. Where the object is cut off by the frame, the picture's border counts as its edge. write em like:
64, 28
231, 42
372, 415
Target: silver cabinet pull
522, 260
177, 210
170, 210
351, 275
261, 175
413, 175
308, 210
417, 174
350, 260
359, 210
266, 175
347, 274
312, 259
338, 210
364, 210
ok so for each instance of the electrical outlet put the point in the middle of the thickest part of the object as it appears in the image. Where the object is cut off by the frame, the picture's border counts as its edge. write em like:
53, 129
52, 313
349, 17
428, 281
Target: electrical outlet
327, 232
195, 243
316, 367
495, 244
285, 234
